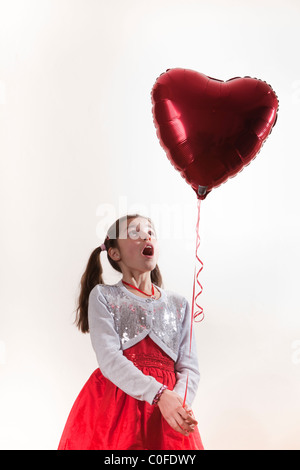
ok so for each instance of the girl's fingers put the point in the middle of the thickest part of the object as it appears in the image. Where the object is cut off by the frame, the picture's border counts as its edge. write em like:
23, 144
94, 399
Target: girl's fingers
174, 424
189, 411
188, 417
184, 424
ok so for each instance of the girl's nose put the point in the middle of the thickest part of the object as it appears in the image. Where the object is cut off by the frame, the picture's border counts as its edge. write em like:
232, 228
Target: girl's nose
145, 236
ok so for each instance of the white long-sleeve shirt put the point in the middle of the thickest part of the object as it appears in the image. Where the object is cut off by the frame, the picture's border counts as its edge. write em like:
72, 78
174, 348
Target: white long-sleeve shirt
119, 319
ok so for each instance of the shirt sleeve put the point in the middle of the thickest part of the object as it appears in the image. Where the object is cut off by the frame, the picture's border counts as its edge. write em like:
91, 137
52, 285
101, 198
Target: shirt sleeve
112, 363
186, 366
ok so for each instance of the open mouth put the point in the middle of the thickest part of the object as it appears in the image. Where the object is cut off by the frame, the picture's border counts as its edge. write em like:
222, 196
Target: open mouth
148, 250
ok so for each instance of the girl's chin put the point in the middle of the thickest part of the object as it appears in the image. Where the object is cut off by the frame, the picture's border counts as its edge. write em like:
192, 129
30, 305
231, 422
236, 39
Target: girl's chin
150, 263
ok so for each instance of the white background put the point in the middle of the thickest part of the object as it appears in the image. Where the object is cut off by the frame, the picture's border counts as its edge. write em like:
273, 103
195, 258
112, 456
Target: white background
79, 149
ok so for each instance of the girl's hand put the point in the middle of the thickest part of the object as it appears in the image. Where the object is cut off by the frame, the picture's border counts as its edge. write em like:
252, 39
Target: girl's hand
178, 417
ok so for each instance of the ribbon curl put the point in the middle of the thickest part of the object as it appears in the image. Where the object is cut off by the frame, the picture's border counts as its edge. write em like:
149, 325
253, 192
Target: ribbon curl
196, 275
195, 315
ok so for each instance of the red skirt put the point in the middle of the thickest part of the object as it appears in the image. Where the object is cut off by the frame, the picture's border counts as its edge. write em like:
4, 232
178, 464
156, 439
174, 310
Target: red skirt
104, 417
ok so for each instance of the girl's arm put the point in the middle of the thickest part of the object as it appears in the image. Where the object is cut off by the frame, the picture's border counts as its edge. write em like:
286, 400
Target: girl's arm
171, 402
187, 362
112, 363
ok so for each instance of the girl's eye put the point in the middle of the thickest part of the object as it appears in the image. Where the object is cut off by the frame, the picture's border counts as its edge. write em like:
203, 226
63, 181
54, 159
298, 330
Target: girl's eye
133, 234
152, 233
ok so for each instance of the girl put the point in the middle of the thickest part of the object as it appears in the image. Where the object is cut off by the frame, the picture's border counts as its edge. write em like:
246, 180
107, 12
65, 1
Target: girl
141, 336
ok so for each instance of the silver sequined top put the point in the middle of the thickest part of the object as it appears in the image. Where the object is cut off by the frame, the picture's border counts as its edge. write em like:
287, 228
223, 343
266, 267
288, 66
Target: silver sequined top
119, 319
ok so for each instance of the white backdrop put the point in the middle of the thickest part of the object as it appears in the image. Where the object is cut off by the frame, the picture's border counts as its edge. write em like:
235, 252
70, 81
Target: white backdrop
79, 149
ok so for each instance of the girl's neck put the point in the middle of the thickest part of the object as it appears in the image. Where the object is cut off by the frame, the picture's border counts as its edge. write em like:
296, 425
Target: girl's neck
144, 285
154, 294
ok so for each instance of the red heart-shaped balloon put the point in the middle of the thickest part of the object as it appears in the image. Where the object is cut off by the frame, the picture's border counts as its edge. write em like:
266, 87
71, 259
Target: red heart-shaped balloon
211, 129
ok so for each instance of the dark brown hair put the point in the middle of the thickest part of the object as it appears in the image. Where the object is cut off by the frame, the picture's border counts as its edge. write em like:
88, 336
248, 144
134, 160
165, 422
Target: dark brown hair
93, 272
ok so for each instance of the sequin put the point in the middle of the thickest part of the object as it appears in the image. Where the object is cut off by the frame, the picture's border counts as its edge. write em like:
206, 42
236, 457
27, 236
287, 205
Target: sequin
134, 319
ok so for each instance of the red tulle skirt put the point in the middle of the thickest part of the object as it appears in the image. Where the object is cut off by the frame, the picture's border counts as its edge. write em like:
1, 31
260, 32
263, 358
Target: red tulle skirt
103, 417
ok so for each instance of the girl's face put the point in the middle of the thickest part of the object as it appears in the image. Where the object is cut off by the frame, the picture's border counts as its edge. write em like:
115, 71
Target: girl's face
134, 237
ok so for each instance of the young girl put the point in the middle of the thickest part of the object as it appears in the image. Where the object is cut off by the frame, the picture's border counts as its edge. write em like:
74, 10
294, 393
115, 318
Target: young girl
141, 336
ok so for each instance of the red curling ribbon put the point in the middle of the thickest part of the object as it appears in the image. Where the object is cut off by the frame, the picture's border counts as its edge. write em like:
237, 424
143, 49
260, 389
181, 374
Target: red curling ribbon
199, 313
186, 388
196, 275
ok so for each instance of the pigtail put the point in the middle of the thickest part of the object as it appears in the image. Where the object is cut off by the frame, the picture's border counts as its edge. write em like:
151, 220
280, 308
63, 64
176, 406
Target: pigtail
156, 277
90, 278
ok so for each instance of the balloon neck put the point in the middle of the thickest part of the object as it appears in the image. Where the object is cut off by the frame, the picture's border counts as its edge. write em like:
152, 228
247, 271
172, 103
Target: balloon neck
202, 192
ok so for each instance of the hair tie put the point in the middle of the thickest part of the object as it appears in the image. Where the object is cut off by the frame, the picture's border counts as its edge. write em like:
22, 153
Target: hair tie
103, 247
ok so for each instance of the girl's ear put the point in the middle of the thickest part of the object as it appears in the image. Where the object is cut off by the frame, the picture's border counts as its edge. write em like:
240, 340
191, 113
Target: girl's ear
114, 254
